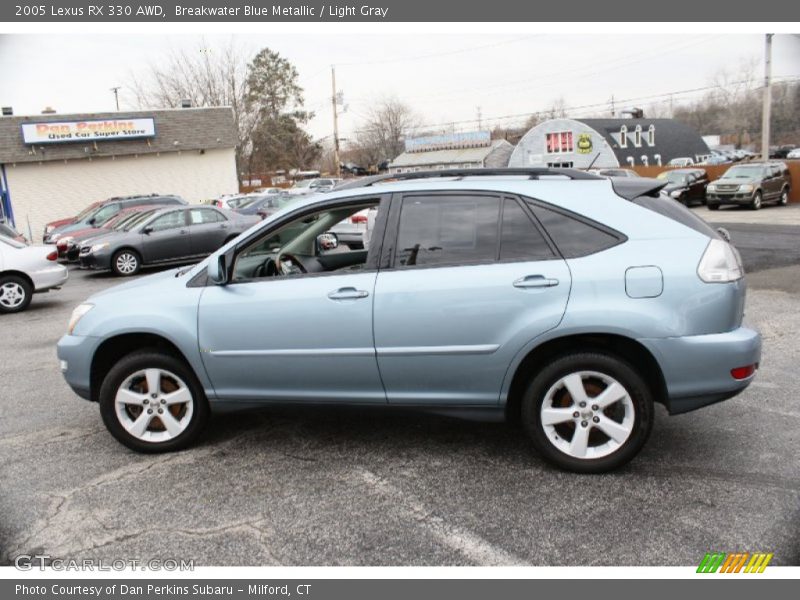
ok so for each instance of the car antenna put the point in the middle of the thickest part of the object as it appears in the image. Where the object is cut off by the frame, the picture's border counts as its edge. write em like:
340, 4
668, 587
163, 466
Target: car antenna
591, 164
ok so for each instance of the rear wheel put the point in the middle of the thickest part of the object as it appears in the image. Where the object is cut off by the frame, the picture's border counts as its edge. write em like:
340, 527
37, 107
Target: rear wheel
588, 412
126, 262
152, 402
755, 204
15, 294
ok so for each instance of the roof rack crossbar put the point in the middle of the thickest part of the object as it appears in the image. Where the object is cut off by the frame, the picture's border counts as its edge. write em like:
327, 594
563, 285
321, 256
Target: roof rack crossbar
531, 173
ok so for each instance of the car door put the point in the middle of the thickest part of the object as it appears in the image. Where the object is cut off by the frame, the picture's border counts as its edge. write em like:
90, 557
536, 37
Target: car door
294, 338
775, 181
472, 280
166, 237
208, 230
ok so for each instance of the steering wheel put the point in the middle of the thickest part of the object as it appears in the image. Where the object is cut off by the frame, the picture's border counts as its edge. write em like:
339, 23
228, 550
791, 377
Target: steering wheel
284, 263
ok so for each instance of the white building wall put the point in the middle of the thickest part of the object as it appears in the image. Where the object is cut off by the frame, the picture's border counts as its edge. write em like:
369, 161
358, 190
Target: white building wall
50, 190
531, 151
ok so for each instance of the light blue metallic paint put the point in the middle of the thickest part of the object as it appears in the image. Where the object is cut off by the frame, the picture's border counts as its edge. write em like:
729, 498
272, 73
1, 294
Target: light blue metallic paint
437, 336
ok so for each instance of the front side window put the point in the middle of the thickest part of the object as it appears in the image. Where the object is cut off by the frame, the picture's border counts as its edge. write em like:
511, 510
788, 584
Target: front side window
171, 220
447, 229
572, 236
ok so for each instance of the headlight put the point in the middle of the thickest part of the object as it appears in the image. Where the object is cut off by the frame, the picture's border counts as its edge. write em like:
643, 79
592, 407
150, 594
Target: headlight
711, 188
675, 193
77, 314
48, 229
98, 247
65, 240
746, 188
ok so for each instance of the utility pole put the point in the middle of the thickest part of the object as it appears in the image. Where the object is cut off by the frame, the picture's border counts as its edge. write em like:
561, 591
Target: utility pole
116, 95
337, 165
480, 122
613, 112
765, 112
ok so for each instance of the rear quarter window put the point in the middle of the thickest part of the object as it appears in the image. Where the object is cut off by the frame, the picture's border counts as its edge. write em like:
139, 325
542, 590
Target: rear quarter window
574, 236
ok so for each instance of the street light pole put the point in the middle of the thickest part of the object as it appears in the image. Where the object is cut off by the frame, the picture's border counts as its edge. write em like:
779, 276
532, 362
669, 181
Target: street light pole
337, 165
765, 112
116, 95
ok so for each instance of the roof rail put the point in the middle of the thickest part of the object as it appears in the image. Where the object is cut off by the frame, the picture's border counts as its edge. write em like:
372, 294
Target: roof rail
531, 173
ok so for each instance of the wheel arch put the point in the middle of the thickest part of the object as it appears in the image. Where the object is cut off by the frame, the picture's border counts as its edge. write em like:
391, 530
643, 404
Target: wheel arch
621, 346
115, 348
21, 275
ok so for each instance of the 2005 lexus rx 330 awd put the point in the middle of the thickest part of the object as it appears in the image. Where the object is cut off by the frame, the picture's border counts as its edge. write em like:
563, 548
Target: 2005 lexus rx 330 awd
570, 302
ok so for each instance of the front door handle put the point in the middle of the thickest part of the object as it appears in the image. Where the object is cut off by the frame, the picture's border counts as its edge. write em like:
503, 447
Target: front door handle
347, 293
535, 281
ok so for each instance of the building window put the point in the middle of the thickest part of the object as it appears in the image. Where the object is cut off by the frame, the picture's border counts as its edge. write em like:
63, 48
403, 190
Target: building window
623, 136
651, 135
467, 166
559, 142
637, 137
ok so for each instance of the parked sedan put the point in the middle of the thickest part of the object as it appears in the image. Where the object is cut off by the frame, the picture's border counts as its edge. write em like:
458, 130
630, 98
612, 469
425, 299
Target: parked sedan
686, 185
264, 206
169, 235
24, 271
234, 202
69, 246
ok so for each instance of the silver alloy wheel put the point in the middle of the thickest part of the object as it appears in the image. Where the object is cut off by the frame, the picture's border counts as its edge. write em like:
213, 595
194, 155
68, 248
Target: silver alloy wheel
12, 294
784, 198
127, 263
757, 201
594, 408
154, 405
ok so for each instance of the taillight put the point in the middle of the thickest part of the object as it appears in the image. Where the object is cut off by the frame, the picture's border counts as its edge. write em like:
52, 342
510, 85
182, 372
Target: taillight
720, 263
743, 372
358, 219
53, 256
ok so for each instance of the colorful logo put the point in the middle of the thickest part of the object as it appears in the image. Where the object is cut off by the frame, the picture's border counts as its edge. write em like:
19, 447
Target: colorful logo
743, 562
584, 143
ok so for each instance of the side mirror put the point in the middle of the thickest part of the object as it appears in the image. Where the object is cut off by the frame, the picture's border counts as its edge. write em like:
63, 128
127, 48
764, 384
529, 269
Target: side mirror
92, 221
147, 230
327, 241
724, 233
217, 270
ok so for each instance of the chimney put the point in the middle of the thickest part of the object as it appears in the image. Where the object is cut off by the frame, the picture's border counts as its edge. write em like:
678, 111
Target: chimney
186, 103
49, 110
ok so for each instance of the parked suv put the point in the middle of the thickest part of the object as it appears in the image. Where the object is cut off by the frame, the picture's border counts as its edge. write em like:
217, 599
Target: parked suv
103, 211
751, 184
565, 300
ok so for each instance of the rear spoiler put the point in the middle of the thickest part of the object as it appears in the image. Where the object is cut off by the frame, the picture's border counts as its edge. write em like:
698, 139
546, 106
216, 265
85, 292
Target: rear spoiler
633, 188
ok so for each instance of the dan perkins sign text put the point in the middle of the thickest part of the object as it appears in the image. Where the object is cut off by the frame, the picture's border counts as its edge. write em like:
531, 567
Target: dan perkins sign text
53, 132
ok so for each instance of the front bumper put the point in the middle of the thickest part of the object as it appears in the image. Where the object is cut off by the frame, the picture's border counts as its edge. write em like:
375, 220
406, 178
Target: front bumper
697, 369
729, 198
75, 355
96, 260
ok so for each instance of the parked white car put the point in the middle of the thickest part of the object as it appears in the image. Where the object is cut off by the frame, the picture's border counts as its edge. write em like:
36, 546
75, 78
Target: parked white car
27, 270
683, 161
793, 154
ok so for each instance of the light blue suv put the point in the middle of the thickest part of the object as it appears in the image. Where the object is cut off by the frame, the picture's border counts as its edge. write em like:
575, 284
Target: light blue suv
567, 301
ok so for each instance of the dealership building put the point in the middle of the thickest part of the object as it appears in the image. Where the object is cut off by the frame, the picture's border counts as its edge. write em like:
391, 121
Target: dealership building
468, 150
54, 165
605, 143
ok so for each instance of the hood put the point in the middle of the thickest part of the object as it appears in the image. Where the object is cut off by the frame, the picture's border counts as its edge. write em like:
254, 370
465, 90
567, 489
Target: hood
140, 283
78, 234
111, 237
60, 222
671, 187
737, 180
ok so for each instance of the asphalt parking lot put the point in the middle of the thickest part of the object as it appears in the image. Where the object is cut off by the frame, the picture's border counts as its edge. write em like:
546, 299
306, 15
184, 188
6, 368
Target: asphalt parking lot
358, 487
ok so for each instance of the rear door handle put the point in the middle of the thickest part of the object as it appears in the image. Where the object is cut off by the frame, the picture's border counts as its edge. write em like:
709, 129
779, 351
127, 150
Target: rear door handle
535, 281
347, 293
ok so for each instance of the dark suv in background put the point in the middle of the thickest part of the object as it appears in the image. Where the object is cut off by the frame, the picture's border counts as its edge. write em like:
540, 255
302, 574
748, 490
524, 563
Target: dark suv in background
751, 184
103, 211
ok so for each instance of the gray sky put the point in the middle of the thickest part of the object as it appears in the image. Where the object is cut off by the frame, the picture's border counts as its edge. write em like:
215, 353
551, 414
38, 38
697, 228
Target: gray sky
444, 77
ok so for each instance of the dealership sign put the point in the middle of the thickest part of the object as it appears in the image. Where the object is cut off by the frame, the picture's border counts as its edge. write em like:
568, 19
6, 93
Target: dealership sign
54, 132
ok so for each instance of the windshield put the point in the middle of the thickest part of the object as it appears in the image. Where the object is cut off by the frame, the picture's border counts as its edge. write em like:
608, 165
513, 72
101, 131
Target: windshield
743, 172
136, 220
303, 184
676, 177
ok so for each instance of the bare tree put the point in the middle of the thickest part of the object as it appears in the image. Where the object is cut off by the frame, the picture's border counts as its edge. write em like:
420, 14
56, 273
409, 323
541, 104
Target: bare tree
382, 135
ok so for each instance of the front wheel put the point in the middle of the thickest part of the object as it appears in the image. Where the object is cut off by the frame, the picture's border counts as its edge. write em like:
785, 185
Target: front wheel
755, 204
152, 402
712, 206
15, 294
125, 263
784, 199
588, 412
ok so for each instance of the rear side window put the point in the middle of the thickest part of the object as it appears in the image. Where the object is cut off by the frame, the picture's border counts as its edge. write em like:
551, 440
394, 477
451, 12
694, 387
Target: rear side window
672, 209
520, 238
573, 237
447, 230
201, 216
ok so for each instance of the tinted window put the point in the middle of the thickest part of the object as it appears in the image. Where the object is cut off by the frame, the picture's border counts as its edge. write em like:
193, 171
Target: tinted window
667, 207
168, 221
199, 216
520, 237
105, 213
573, 237
447, 230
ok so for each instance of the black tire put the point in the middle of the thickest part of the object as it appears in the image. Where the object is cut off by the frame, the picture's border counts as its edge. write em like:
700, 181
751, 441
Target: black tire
757, 201
15, 294
712, 206
123, 258
640, 401
784, 197
128, 367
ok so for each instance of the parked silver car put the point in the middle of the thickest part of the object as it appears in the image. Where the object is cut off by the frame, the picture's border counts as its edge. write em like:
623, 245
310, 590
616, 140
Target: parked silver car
27, 270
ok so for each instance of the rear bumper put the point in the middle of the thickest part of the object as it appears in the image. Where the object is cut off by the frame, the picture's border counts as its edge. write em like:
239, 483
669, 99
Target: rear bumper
49, 277
697, 369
